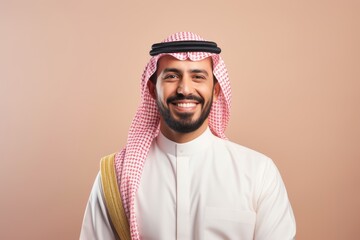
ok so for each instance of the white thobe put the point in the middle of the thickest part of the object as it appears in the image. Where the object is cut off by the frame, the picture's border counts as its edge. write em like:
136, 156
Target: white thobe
205, 189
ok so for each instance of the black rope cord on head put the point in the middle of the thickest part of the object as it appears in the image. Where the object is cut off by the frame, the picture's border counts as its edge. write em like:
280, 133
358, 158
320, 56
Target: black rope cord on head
184, 46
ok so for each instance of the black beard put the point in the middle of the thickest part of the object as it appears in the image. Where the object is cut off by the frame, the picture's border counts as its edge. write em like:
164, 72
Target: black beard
185, 124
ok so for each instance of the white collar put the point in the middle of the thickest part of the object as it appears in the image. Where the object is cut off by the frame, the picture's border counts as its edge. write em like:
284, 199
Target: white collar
194, 146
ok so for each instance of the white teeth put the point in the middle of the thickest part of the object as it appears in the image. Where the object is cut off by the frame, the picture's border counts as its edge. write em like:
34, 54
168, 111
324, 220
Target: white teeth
186, 105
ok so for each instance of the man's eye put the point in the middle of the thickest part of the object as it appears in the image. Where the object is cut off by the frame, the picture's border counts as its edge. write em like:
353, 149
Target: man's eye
199, 77
171, 76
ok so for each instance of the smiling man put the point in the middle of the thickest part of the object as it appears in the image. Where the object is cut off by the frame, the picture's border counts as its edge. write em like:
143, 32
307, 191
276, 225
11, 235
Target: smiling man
178, 176
184, 92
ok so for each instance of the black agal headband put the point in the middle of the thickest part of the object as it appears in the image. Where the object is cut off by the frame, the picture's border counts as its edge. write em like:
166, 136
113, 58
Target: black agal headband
184, 46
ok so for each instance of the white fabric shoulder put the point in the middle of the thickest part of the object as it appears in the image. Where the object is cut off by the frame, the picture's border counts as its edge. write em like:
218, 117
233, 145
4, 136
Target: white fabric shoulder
274, 215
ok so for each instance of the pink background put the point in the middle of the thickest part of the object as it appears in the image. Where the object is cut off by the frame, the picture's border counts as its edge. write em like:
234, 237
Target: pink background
69, 87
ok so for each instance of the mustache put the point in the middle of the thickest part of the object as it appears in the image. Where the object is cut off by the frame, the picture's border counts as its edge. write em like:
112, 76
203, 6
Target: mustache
182, 97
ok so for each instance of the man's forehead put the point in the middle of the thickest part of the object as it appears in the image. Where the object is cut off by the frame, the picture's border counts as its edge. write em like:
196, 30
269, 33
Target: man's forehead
170, 61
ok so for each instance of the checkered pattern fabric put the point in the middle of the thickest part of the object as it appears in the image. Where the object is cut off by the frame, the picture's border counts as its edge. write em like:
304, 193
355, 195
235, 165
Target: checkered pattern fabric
129, 162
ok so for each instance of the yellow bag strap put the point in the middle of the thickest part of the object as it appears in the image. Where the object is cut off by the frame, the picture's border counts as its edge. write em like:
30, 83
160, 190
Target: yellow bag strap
113, 198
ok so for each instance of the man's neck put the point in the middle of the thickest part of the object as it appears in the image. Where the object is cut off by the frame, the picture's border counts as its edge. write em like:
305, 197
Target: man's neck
182, 137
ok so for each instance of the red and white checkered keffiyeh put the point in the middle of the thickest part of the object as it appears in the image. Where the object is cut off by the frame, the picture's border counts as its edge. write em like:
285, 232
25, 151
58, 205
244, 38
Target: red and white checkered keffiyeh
129, 162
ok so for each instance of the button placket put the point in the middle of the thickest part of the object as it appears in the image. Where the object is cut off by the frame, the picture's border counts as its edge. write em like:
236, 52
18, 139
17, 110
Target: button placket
183, 196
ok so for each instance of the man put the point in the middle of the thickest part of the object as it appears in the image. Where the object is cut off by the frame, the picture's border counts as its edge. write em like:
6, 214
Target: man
179, 177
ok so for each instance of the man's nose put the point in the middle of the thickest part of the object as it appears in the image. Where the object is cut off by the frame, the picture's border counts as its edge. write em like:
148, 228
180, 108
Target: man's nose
185, 86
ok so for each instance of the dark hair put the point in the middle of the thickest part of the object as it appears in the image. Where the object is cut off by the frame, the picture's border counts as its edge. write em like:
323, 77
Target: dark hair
153, 78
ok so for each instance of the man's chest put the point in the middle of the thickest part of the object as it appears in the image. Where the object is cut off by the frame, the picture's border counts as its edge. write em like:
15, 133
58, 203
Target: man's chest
202, 196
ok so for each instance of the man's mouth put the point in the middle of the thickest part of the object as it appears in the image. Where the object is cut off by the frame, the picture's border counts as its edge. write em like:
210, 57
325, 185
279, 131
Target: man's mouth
185, 104
185, 101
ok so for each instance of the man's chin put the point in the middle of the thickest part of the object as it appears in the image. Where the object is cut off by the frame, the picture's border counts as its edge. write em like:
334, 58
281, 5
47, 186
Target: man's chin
184, 125
187, 117
182, 114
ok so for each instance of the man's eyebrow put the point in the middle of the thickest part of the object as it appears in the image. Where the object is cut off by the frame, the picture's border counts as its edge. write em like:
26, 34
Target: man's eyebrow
199, 71
166, 70
175, 70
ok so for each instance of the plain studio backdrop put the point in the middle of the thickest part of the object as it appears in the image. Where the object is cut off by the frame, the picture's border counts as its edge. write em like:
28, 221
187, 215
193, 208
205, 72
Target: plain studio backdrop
69, 88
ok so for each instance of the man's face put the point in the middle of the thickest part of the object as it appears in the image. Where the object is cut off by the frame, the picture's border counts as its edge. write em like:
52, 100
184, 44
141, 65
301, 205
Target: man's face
184, 92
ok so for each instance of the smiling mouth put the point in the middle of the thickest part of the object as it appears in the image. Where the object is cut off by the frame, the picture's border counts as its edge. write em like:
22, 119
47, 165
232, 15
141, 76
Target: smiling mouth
185, 105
